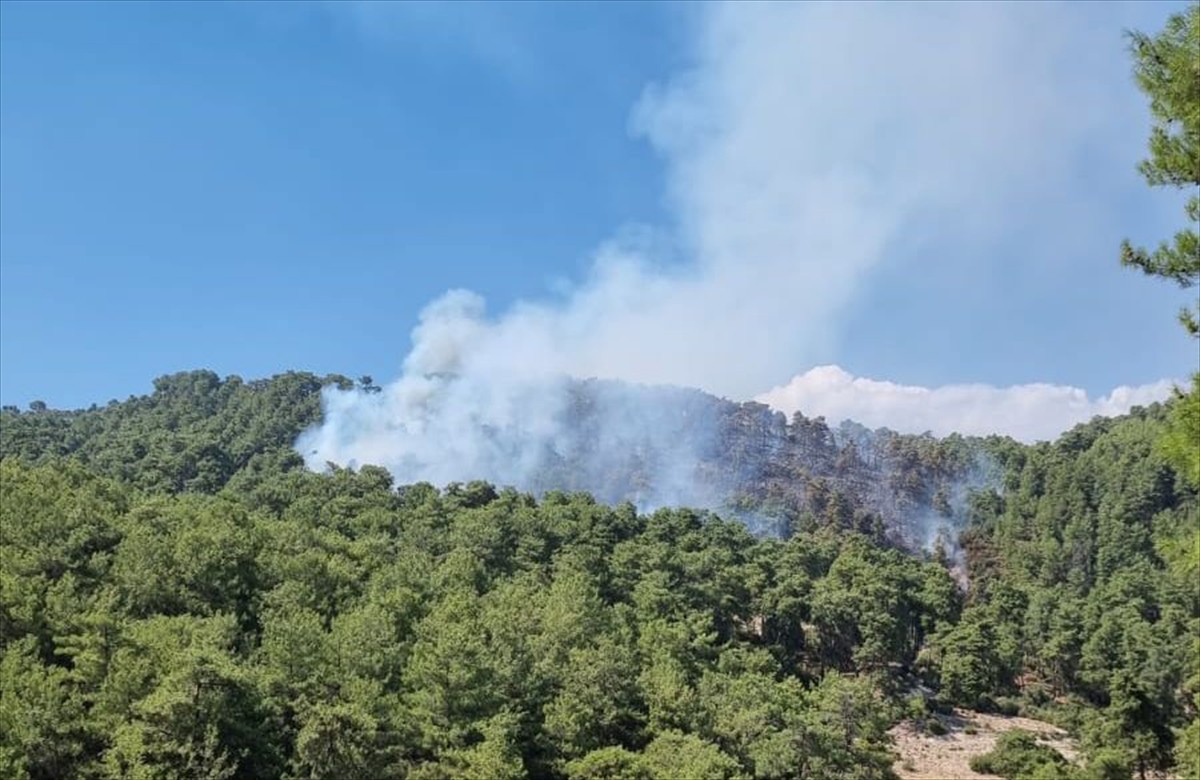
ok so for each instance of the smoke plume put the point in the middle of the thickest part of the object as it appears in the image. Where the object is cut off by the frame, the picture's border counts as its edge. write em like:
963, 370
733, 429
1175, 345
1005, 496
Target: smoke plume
806, 146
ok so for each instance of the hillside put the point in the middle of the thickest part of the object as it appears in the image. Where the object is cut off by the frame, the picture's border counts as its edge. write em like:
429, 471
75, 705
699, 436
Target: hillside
195, 432
181, 598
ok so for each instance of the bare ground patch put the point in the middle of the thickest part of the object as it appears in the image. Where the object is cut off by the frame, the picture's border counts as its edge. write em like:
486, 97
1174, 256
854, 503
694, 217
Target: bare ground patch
925, 756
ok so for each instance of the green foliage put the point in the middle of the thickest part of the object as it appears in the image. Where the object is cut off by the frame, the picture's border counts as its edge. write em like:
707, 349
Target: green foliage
1019, 755
1181, 442
673, 754
970, 661
670, 755
44, 730
610, 763
1168, 71
1167, 68
1187, 750
277, 623
193, 433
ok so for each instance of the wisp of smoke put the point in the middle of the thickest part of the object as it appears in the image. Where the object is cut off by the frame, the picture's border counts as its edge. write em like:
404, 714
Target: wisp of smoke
805, 141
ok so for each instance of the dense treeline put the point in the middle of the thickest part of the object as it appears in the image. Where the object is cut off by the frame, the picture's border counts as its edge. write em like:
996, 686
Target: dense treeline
193, 433
266, 621
1085, 571
328, 626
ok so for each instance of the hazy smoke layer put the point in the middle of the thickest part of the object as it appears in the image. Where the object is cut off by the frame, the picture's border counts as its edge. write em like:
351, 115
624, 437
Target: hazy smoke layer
1025, 412
807, 142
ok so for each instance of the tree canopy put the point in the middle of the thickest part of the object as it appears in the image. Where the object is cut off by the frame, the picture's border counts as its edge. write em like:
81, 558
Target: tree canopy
1167, 68
274, 622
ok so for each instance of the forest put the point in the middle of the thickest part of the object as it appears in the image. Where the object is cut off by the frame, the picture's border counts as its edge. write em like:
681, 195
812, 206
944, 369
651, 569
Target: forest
180, 597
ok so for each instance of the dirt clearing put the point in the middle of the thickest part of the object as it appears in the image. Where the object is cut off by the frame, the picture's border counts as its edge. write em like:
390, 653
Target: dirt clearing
926, 756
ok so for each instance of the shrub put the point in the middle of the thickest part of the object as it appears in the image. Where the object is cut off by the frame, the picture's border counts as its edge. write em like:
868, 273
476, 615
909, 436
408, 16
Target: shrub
1017, 754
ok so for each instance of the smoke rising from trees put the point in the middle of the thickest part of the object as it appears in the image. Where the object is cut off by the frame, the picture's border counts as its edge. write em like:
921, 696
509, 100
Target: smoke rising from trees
806, 147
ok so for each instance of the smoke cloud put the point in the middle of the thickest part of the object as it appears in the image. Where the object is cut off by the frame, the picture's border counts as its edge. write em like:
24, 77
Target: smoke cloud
1025, 412
807, 146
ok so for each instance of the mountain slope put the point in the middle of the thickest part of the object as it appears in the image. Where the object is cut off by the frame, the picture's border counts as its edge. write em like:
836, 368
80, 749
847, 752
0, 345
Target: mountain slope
178, 596
195, 432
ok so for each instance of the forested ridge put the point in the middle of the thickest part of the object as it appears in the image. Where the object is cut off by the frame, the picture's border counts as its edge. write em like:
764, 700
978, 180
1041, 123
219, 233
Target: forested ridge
180, 598
195, 432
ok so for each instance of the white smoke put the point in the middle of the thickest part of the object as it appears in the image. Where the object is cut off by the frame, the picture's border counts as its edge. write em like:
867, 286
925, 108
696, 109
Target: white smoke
1025, 412
807, 144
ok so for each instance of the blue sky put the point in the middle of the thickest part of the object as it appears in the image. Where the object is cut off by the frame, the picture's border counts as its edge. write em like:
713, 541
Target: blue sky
256, 188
